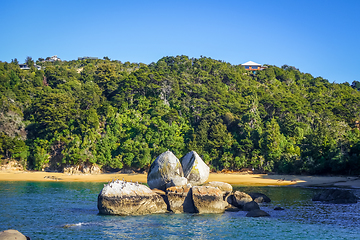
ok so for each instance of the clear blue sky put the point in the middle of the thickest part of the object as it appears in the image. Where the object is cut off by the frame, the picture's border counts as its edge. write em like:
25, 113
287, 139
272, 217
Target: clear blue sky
317, 36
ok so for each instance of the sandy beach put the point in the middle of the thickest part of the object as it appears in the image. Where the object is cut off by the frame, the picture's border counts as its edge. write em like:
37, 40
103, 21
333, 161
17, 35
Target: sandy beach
232, 178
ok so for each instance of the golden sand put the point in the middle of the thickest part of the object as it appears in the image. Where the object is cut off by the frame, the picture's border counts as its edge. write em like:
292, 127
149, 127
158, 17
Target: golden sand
232, 178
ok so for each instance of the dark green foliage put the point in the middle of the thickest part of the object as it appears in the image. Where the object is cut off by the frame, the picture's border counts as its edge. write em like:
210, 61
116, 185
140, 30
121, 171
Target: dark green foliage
125, 114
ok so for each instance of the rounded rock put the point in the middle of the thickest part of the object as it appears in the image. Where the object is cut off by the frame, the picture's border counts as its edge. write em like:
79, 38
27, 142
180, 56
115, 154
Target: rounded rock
12, 234
165, 171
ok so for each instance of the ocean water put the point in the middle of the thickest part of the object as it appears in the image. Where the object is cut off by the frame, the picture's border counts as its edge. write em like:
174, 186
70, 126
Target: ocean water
58, 210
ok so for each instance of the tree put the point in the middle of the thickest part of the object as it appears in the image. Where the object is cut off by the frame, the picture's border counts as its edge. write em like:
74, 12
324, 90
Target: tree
355, 85
272, 143
15, 61
52, 113
29, 61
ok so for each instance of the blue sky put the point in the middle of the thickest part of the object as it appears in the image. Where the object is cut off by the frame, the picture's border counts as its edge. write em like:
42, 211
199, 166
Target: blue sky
318, 37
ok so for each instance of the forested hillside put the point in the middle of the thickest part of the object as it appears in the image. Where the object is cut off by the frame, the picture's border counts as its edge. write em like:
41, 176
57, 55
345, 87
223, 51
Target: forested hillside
125, 114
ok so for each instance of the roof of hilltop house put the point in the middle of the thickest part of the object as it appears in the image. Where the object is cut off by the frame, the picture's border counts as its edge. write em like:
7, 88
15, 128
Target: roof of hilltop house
24, 66
251, 63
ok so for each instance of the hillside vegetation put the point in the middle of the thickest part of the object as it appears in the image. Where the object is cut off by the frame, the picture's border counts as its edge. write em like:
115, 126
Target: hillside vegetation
123, 115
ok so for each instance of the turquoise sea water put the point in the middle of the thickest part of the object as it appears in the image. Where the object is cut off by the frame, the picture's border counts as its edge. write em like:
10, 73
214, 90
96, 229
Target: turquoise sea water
40, 210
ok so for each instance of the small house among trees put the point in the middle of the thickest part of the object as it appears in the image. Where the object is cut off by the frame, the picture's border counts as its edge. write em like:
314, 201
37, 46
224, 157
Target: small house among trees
252, 66
24, 66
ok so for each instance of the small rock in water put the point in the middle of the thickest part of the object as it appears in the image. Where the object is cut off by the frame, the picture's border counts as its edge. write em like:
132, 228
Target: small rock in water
278, 209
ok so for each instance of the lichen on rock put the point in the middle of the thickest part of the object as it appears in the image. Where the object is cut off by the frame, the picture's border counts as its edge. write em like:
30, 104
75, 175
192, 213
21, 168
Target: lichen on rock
195, 169
165, 171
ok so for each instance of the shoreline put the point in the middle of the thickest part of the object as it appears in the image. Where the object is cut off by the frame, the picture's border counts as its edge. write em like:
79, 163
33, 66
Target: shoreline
231, 178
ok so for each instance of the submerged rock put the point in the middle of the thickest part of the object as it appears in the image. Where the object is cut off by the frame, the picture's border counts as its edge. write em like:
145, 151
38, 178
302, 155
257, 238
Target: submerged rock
12, 234
278, 208
195, 169
124, 198
208, 199
257, 213
165, 171
336, 196
180, 199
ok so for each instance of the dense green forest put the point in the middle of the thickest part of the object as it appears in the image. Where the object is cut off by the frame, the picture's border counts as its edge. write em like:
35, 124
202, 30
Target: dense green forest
123, 115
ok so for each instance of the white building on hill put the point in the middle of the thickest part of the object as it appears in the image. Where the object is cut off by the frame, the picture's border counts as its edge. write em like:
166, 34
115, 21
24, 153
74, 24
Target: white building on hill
252, 66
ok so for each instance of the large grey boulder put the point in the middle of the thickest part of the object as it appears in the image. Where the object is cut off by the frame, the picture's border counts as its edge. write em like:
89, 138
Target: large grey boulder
239, 199
12, 234
180, 199
195, 170
336, 196
208, 199
124, 198
166, 171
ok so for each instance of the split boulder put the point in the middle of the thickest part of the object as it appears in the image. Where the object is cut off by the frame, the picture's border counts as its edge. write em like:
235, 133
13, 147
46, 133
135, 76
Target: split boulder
195, 169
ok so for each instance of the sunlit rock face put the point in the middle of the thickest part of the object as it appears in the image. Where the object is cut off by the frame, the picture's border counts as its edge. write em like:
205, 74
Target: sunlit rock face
166, 171
225, 187
12, 234
127, 198
180, 199
208, 199
195, 169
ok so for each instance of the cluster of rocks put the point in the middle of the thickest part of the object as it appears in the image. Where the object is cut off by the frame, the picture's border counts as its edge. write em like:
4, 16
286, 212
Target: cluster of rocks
128, 198
176, 187
82, 169
11, 165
